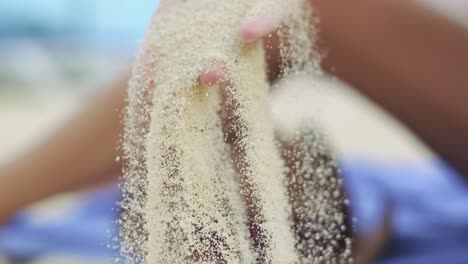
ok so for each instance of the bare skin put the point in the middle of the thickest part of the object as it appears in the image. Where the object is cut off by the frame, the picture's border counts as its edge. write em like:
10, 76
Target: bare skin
64, 162
408, 59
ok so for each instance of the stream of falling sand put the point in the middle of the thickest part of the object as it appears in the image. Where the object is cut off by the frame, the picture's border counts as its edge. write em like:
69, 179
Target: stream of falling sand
192, 197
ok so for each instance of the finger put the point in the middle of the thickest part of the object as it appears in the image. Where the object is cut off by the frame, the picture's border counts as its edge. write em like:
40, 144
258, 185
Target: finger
256, 27
212, 75
265, 17
227, 112
262, 19
234, 129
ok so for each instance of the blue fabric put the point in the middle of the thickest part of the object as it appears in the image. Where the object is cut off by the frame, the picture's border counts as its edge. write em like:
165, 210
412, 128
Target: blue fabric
430, 208
430, 221
87, 230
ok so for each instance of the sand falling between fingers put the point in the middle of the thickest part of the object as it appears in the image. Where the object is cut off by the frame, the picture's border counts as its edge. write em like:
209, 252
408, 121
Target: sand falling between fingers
205, 187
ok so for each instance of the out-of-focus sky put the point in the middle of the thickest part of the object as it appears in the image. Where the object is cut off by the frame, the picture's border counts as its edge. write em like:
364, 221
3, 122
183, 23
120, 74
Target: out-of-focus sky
58, 45
93, 17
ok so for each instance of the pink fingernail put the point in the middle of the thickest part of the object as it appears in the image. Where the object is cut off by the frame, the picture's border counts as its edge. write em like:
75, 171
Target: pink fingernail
211, 76
254, 28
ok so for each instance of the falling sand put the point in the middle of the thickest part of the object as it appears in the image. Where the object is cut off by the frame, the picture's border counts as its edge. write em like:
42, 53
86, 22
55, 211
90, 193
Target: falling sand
207, 179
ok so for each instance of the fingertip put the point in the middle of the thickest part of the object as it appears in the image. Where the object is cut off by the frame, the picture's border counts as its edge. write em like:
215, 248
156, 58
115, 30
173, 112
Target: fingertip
246, 33
211, 76
254, 28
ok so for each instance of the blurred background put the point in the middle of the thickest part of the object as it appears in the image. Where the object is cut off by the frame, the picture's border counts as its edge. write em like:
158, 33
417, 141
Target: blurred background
55, 54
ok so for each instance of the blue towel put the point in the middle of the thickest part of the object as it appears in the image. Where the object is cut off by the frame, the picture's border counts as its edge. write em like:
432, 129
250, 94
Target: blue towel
430, 221
88, 230
430, 208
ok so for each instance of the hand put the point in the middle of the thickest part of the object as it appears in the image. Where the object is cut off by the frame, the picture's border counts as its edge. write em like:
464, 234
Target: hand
253, 28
